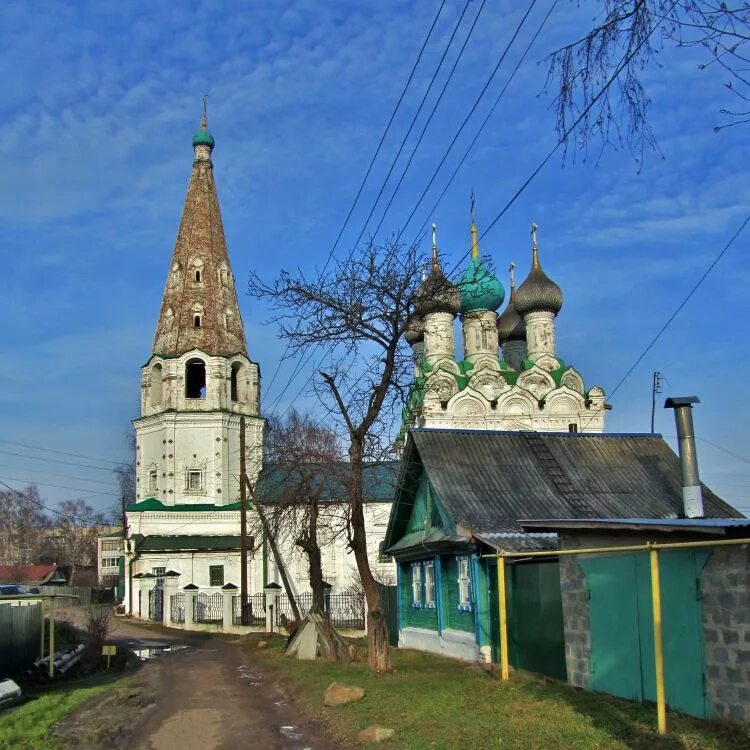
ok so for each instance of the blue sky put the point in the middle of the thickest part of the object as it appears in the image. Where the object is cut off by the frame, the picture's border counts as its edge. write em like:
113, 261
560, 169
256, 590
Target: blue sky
100, 101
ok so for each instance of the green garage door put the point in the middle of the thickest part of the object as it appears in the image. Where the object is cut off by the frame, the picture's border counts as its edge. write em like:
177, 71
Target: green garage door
622, 639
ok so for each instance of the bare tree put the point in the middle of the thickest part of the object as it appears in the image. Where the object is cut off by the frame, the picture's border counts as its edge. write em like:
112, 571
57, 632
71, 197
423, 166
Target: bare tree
22, 521
302, 474
356, 314
73, 537
125, 474
621, 46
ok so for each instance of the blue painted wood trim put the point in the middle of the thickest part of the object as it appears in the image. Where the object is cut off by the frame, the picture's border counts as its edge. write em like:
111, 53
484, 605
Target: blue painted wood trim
475, 595
399, 593
439, 593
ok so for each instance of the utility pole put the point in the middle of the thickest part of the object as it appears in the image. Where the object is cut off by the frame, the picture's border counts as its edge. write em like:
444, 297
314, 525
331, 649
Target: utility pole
243, 519
655, 388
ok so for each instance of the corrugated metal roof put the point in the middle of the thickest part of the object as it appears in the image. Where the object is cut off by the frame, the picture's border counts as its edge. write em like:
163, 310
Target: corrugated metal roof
699, 525
489, 480
519, 541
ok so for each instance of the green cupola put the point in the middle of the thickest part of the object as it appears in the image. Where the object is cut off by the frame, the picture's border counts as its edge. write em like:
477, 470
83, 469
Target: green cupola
480, 289
202, 137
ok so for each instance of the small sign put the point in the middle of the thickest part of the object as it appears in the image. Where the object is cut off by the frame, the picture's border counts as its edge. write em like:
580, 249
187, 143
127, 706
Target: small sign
109, 650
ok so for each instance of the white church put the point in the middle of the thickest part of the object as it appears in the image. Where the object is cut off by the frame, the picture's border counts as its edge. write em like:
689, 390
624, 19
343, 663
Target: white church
199, 382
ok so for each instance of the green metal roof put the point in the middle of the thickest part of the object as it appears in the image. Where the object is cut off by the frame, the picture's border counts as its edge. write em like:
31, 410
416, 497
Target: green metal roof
188, 542
379, 481
153, 504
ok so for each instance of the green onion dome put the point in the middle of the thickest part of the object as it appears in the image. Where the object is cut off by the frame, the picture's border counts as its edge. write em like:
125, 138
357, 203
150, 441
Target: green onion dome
538, 292
414, 331
480, 289
202, 137
510, 325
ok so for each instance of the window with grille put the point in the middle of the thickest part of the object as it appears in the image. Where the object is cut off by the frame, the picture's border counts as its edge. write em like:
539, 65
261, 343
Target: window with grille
429, 585
194, 480
216, 575
159, 573
416, 585
464, 583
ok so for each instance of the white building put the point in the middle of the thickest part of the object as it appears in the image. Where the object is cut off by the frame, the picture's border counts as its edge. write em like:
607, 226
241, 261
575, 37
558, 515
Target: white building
196, 386
510, 377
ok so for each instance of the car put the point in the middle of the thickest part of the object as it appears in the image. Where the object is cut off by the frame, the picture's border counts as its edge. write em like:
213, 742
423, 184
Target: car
13, 589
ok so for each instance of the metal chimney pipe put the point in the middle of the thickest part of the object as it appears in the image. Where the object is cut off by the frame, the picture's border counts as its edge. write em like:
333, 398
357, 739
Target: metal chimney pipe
692, 497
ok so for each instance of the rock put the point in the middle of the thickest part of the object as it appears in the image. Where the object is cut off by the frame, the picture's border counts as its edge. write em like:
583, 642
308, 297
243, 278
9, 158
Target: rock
261, 644
339, 695
375, 733
127, 693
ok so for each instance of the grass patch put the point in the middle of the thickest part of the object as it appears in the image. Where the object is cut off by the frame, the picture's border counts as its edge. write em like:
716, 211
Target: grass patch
440, 704
28, 726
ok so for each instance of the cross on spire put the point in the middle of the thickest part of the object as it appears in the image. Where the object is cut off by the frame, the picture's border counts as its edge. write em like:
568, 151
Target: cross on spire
204, 119
435, 263
512, 270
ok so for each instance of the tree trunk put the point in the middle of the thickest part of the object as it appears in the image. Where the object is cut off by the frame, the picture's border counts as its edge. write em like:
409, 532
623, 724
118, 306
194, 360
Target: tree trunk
379, 657
314, 558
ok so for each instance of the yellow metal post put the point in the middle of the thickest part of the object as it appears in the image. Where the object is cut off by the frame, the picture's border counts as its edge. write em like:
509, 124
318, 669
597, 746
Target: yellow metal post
661, 710
502, 605
52, 637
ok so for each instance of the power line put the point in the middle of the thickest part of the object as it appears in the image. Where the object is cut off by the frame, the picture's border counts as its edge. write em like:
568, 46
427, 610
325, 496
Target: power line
382, 138
63, 453
56, 461
46, 507
67, 476
624, 62
58, 486
431, 115
478, 133
411, 126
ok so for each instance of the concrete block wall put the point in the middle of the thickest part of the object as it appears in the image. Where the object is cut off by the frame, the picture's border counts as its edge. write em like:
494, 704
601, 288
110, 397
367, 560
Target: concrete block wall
725, 592
575, 606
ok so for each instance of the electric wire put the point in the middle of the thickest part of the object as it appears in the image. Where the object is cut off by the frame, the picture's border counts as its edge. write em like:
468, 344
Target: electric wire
471, 145
430, 116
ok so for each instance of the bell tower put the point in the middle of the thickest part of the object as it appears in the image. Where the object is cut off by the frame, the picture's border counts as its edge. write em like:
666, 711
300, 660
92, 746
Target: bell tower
198, 381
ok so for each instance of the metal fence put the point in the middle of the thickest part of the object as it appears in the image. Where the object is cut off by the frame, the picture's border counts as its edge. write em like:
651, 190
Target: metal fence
20, 631
252, 613
208, 608
156, 604
346, 611
177, 607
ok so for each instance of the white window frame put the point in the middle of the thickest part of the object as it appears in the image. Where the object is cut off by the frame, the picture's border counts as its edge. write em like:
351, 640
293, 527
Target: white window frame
464, 583
429, 584
416, 585
153, 480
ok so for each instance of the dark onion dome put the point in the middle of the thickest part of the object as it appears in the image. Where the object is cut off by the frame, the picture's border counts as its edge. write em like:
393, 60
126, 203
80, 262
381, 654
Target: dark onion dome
414, 332
480, 289
510, 325
538, 292
436, 293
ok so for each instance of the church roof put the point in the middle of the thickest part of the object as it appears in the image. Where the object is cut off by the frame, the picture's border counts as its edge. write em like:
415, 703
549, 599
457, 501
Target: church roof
199, 309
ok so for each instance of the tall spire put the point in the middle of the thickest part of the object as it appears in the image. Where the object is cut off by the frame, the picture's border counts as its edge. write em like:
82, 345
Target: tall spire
534, 247
512, 272
474, 239
199, 309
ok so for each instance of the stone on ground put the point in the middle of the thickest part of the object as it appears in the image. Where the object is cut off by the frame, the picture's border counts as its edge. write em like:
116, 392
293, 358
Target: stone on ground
262, 644
339, 695
375, 733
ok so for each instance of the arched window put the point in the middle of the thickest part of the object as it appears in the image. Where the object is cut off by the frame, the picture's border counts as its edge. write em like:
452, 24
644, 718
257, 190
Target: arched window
195, 379
156, 385
197, 320
235, 381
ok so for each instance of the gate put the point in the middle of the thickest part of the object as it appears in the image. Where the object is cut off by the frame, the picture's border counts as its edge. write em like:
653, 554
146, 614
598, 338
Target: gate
156, 604
622, 637
536, 636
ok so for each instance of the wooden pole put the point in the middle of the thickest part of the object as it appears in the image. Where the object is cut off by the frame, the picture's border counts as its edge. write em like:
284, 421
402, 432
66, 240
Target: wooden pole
661, 709
502, 605
243, 520
41, 643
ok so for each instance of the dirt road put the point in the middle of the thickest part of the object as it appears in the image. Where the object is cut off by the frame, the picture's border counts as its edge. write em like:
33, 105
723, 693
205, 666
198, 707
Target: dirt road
205, 694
